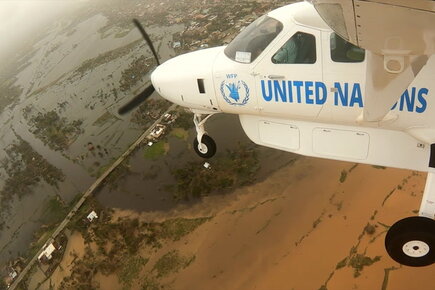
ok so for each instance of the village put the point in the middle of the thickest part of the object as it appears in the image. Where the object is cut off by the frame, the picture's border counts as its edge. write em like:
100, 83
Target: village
50, 256
52, 252
202, 19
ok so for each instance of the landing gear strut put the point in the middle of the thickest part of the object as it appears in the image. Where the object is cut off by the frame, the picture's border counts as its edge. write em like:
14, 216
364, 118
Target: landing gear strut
203, 144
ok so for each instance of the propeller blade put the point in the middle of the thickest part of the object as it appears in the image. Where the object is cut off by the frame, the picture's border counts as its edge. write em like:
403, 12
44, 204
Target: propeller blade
136, 101
147, 39
145, 94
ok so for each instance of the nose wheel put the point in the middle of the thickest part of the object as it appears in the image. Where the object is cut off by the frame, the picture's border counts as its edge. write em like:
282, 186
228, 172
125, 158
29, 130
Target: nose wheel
203, 144
411, 241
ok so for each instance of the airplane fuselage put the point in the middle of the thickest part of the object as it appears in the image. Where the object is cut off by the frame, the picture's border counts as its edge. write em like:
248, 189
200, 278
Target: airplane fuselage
310, 104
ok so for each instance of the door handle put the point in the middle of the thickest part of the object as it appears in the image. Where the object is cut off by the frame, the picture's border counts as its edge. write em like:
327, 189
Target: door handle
275, 77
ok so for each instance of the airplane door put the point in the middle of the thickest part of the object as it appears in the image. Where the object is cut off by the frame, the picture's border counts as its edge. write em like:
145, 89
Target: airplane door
289, 77
344, 73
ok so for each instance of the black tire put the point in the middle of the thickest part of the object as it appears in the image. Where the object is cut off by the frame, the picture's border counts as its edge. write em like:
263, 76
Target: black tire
411, 241
210, 147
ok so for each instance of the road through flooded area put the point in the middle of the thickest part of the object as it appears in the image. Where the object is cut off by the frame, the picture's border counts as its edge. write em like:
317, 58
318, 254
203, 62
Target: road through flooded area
65, 120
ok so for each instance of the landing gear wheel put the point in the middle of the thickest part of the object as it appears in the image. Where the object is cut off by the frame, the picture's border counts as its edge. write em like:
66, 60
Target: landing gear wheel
207, 148
411, 241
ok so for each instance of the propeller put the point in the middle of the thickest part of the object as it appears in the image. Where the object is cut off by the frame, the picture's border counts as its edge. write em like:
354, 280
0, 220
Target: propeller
136, 101
147, 92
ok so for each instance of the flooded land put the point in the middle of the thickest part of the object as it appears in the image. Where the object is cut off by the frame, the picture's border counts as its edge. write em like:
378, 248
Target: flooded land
59, 96
256, 218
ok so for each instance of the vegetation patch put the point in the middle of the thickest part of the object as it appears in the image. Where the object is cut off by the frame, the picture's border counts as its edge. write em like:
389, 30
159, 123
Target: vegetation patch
237, 168
388, 196
150, 111
55, 131
138, 68
359, 261
370, 229
118, 244
130, 270
175, 229
3, 285
343, 176
317, 222
155, 151
54, 211
341, 264
184, 120
26, 168
107, 116
172, 262
106, 57
150, 283
374, 215
180, 133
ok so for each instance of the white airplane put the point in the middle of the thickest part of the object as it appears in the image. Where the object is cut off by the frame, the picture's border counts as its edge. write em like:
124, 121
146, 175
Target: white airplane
347, 80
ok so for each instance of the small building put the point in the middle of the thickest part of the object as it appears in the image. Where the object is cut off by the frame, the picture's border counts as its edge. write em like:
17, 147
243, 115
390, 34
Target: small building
91, 216
169, 118
13, 274
11, 277
46, 254
158, 131
176, 44
207, 165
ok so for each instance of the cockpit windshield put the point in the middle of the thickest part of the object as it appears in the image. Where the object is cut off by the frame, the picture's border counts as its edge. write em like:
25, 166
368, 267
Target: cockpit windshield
248, 45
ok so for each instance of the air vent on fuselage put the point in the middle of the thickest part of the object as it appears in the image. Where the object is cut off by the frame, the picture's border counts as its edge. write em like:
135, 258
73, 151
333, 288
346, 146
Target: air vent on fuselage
201, 87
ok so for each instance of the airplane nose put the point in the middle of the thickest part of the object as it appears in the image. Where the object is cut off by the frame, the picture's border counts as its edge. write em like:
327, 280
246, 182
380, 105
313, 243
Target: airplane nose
187, 80
163, 78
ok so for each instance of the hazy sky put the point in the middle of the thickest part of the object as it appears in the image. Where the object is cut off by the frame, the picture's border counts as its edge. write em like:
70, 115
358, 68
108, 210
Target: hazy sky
19, 18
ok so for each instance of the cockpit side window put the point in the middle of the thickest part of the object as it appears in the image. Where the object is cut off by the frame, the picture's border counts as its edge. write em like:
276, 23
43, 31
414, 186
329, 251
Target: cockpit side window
343, 51
300, 48
249, 44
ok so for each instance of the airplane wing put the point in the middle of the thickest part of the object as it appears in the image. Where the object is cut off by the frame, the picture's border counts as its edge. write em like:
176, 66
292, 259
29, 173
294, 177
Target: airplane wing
399, 36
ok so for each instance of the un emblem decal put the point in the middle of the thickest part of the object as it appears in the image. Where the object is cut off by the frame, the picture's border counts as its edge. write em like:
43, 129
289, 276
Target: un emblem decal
235, 93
